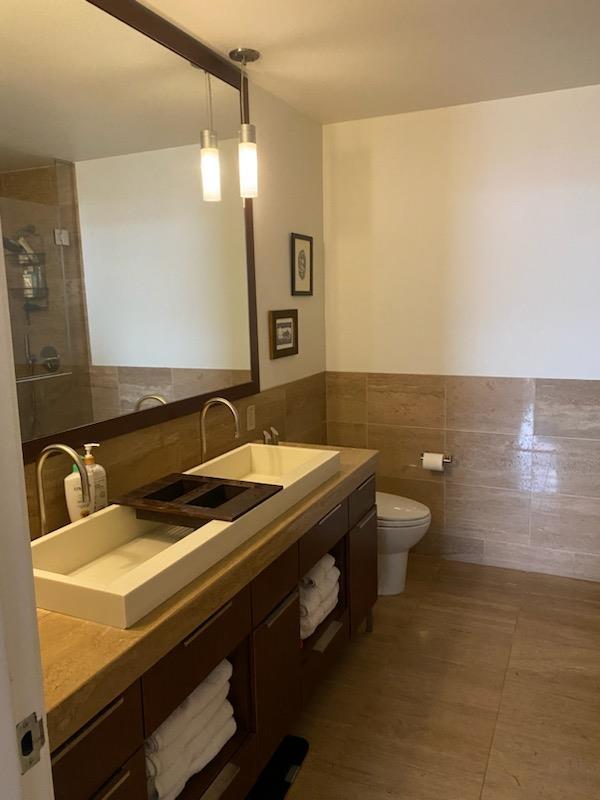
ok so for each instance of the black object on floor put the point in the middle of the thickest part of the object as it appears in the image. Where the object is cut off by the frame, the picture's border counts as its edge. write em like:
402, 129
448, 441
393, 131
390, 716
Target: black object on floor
281, 771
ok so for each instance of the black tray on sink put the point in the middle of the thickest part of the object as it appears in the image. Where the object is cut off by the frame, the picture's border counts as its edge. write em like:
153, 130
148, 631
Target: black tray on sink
194, 500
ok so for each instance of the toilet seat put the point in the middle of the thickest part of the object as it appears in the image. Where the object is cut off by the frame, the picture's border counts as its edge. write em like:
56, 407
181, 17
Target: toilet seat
399, 512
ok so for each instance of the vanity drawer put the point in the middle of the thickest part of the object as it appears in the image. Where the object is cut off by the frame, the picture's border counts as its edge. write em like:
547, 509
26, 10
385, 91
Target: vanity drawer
325, 535
231, 781
175, 676
324, 652
115, 733
129, 783
273, 584
362, 568
361, 500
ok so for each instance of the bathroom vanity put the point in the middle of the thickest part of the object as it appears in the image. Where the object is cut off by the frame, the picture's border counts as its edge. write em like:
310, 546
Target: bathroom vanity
107, 689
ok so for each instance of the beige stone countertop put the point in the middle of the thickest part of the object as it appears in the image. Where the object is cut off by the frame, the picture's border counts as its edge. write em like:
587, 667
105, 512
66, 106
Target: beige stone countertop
86, 665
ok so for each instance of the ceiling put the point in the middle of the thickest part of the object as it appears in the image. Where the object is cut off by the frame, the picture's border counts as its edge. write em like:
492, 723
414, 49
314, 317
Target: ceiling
347, 59
76, 84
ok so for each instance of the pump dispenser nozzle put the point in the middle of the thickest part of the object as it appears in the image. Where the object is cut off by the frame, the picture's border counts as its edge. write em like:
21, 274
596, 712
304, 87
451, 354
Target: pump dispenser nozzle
89, 456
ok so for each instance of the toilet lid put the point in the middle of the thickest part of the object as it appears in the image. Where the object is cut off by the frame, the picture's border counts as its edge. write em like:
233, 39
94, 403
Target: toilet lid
395, 510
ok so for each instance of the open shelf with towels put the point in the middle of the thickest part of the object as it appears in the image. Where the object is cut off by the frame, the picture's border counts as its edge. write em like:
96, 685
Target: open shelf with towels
227, 771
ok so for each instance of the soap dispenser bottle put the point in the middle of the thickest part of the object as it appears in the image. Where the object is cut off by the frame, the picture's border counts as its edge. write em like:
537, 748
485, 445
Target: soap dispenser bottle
97, 478
74, 496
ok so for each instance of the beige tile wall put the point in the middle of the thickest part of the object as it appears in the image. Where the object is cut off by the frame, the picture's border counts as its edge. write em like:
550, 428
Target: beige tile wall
296, 409
524, 491
116, 390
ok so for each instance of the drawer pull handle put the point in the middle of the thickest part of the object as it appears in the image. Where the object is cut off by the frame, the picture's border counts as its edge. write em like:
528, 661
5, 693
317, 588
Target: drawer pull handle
193, 636
86, 731
368, 518
365, 483
281, 609
328, 636
222, 782
110, 792
331, 513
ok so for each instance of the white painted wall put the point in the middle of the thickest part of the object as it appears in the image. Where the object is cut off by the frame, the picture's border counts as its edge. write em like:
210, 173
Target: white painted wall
290, 200
165, 272
466, 240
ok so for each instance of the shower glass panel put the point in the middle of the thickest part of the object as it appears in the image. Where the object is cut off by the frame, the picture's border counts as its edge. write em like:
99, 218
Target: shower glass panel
43, 272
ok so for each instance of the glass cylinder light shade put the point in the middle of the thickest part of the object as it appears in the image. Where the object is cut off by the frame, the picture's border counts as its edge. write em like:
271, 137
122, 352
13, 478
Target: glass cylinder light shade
248, 161
210, 167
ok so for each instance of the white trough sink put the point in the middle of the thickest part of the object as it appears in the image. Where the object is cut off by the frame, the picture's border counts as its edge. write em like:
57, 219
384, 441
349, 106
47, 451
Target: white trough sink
114, 568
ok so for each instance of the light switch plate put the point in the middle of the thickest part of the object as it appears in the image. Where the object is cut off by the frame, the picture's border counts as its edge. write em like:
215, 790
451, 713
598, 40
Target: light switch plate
62, 237
251, 418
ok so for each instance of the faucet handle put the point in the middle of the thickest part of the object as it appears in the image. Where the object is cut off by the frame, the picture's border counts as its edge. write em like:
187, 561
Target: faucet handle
267, 438
275, 435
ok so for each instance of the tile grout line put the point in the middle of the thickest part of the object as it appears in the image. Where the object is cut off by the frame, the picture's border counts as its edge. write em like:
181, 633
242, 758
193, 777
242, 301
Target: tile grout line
512, 642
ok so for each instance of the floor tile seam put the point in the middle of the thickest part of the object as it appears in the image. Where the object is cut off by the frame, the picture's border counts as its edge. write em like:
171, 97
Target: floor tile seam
508, 660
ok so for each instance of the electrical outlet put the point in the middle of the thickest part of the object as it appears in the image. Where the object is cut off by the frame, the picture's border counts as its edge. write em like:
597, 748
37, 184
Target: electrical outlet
251, 418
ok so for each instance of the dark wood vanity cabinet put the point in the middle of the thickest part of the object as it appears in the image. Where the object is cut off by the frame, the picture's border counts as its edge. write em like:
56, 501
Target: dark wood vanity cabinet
258, 630
88, 760
175, 676
362, 568
276, 649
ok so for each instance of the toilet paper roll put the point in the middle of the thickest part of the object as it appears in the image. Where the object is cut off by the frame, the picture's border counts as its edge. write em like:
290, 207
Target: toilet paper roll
433, 461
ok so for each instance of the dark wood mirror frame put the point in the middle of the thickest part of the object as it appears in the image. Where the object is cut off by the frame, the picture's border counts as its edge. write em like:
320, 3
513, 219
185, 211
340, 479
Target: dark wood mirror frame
165, 33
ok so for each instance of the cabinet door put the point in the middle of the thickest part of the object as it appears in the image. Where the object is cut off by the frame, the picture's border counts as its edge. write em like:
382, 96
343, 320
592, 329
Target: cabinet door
276, 646
362, 568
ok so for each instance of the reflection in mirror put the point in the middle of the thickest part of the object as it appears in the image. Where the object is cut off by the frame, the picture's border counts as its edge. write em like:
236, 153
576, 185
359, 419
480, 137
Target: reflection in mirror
124, 284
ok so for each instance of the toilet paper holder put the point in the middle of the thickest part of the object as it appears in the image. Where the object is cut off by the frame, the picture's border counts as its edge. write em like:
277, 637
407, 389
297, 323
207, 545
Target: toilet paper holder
445, 460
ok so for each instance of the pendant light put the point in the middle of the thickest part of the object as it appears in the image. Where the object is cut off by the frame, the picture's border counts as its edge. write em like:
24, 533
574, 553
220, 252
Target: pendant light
248, 160
209, 154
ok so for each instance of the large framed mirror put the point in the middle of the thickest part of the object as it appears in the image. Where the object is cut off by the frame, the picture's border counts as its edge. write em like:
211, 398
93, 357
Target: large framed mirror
131, 298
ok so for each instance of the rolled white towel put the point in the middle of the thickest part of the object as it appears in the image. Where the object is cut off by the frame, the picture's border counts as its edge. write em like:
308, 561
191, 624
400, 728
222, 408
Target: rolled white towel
195, 723
193, 705
308, 625
213, 748
312, 596
315, 575
190, 745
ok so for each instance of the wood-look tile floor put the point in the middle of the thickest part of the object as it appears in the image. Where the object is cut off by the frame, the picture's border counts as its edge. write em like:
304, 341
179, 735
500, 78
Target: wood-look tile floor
476, 684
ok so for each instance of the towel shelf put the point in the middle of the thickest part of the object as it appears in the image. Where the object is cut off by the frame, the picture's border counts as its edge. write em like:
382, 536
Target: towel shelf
176, 675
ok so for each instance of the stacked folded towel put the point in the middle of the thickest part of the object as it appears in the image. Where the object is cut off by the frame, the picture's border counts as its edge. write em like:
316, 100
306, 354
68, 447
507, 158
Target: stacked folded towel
191, 737
319, 590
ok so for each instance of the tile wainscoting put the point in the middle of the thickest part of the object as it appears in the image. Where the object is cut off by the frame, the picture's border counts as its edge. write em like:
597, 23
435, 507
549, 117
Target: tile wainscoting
116, 390
296, 409
524, 490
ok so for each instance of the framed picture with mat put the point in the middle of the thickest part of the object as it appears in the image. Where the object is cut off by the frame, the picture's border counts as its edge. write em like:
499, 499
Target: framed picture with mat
302, 265
283, 333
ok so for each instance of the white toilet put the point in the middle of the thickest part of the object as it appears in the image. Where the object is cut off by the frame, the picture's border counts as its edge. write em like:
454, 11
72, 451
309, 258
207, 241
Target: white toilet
401, 523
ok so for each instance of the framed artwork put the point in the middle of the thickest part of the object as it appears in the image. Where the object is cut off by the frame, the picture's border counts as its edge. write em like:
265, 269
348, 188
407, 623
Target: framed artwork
283, 333
302, 264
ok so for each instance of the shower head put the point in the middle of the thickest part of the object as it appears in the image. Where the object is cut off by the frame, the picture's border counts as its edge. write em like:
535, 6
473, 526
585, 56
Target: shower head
11, 246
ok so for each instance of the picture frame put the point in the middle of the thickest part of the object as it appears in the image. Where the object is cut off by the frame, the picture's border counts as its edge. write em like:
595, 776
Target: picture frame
301, 252
283, 333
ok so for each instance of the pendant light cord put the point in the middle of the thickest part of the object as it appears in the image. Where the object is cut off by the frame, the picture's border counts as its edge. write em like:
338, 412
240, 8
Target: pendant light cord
243, 93
209, 103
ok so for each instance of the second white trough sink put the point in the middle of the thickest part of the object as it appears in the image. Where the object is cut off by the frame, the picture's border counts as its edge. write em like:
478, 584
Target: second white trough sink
114, 568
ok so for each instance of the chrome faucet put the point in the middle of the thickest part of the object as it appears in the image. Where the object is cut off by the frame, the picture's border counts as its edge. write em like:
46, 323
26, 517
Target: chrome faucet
158, 397
86, 495
214, 401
